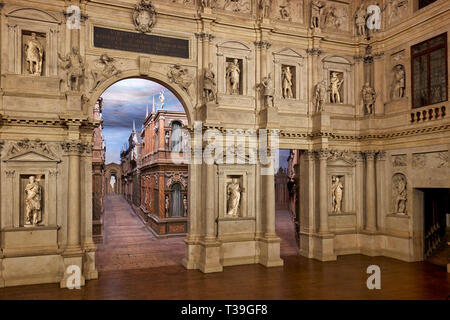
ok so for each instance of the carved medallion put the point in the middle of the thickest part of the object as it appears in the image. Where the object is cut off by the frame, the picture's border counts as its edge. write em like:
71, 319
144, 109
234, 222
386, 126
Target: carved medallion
144, 16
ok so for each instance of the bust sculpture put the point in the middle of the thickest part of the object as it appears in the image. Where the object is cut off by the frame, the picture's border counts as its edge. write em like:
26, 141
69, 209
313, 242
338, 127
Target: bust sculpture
234, 197
33, 214
34, 54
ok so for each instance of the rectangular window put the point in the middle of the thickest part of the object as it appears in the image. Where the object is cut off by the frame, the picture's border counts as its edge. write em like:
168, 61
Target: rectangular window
429, 71
424, 3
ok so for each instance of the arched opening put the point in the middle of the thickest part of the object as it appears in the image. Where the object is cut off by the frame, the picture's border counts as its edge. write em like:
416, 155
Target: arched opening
145, 203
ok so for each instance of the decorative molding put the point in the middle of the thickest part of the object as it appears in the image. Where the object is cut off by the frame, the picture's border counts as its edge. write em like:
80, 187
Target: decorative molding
30, 150
262, 44
144, 16
204, 36
314, 51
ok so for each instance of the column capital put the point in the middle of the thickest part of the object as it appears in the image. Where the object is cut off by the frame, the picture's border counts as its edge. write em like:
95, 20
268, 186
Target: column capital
263, 44
381, 155
358, 155
322, 154
370, 154
75, 147
204, 36
314, 51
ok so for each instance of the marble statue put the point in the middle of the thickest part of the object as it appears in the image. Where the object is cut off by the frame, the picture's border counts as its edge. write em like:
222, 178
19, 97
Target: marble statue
335, 87
73, 63
264, 6
34, 54
144, 16
399, 83
399, 192
269, 91
336, 193
166, 205
233, 77
33, 214
162, 98
209, 84
180, 76
185, 205
234, 197
316, 8
360, 21
368, 96
320, 95
167, 140
286, 77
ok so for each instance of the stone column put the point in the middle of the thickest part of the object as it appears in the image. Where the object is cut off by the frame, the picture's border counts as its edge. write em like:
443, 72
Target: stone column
73, 196
209, 203
370, 192
269, 196
323, 192
359, 163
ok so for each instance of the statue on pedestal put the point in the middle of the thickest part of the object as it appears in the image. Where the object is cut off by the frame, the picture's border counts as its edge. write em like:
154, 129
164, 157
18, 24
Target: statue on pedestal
73, 63
316, 7
209, 84
233, 77
269, 91
320, 95
368, 96
335, 87
234, 197
336, 191
286, 77
34, 54
399, 84
33, 214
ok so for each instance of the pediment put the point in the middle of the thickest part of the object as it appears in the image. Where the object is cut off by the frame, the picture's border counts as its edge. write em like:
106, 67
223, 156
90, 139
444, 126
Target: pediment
341, 162
234, 45
33, 14
289, 53
336, 59
31, 156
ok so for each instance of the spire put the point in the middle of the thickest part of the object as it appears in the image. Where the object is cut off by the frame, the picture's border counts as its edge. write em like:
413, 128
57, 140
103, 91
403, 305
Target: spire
134, 126
153, 107
146, 111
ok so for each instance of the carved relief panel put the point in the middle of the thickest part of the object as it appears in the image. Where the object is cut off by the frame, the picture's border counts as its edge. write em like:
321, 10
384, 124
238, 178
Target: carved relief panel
283, 10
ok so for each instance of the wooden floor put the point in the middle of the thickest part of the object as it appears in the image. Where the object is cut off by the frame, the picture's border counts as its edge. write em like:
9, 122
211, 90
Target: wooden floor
134, 265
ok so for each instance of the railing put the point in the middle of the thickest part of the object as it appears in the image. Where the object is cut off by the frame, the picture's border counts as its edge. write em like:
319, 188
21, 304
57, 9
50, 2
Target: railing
428, 114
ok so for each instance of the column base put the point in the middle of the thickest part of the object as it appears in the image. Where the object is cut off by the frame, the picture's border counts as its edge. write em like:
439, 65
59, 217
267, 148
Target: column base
2, 282
89, 270
210, 257
69, 279
269, 252
192, 254
323, 247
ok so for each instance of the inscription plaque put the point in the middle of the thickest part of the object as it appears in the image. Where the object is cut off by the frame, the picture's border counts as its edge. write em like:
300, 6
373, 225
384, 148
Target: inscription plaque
140, 43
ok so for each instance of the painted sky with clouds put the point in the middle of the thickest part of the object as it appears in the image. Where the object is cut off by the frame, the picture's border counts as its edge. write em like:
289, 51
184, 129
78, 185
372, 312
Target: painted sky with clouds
126, 101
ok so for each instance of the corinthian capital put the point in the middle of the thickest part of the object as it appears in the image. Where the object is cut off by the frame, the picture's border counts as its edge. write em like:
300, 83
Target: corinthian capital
323, 154
370, 154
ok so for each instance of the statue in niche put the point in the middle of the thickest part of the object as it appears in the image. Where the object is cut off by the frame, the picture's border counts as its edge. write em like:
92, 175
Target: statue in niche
73, 63
264, 7
108, 69
34, 54
336, 193
368, 96
233, 77
234, 197
286, 78
167, 140
320, 95
335, 87
33, 214
162, 98
399, 193
166, 205
269, 91
186, 141
185, 205
399, 81
209, 84
360, 20
316, 8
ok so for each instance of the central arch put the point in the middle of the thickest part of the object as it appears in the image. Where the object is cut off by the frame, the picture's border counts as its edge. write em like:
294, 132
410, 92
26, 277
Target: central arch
185, 99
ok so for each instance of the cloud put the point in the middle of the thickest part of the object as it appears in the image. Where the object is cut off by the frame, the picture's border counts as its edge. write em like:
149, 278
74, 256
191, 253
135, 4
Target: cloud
126, 101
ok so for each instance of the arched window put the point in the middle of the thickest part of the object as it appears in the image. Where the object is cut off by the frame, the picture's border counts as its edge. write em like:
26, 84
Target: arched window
177, 201
176, 136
